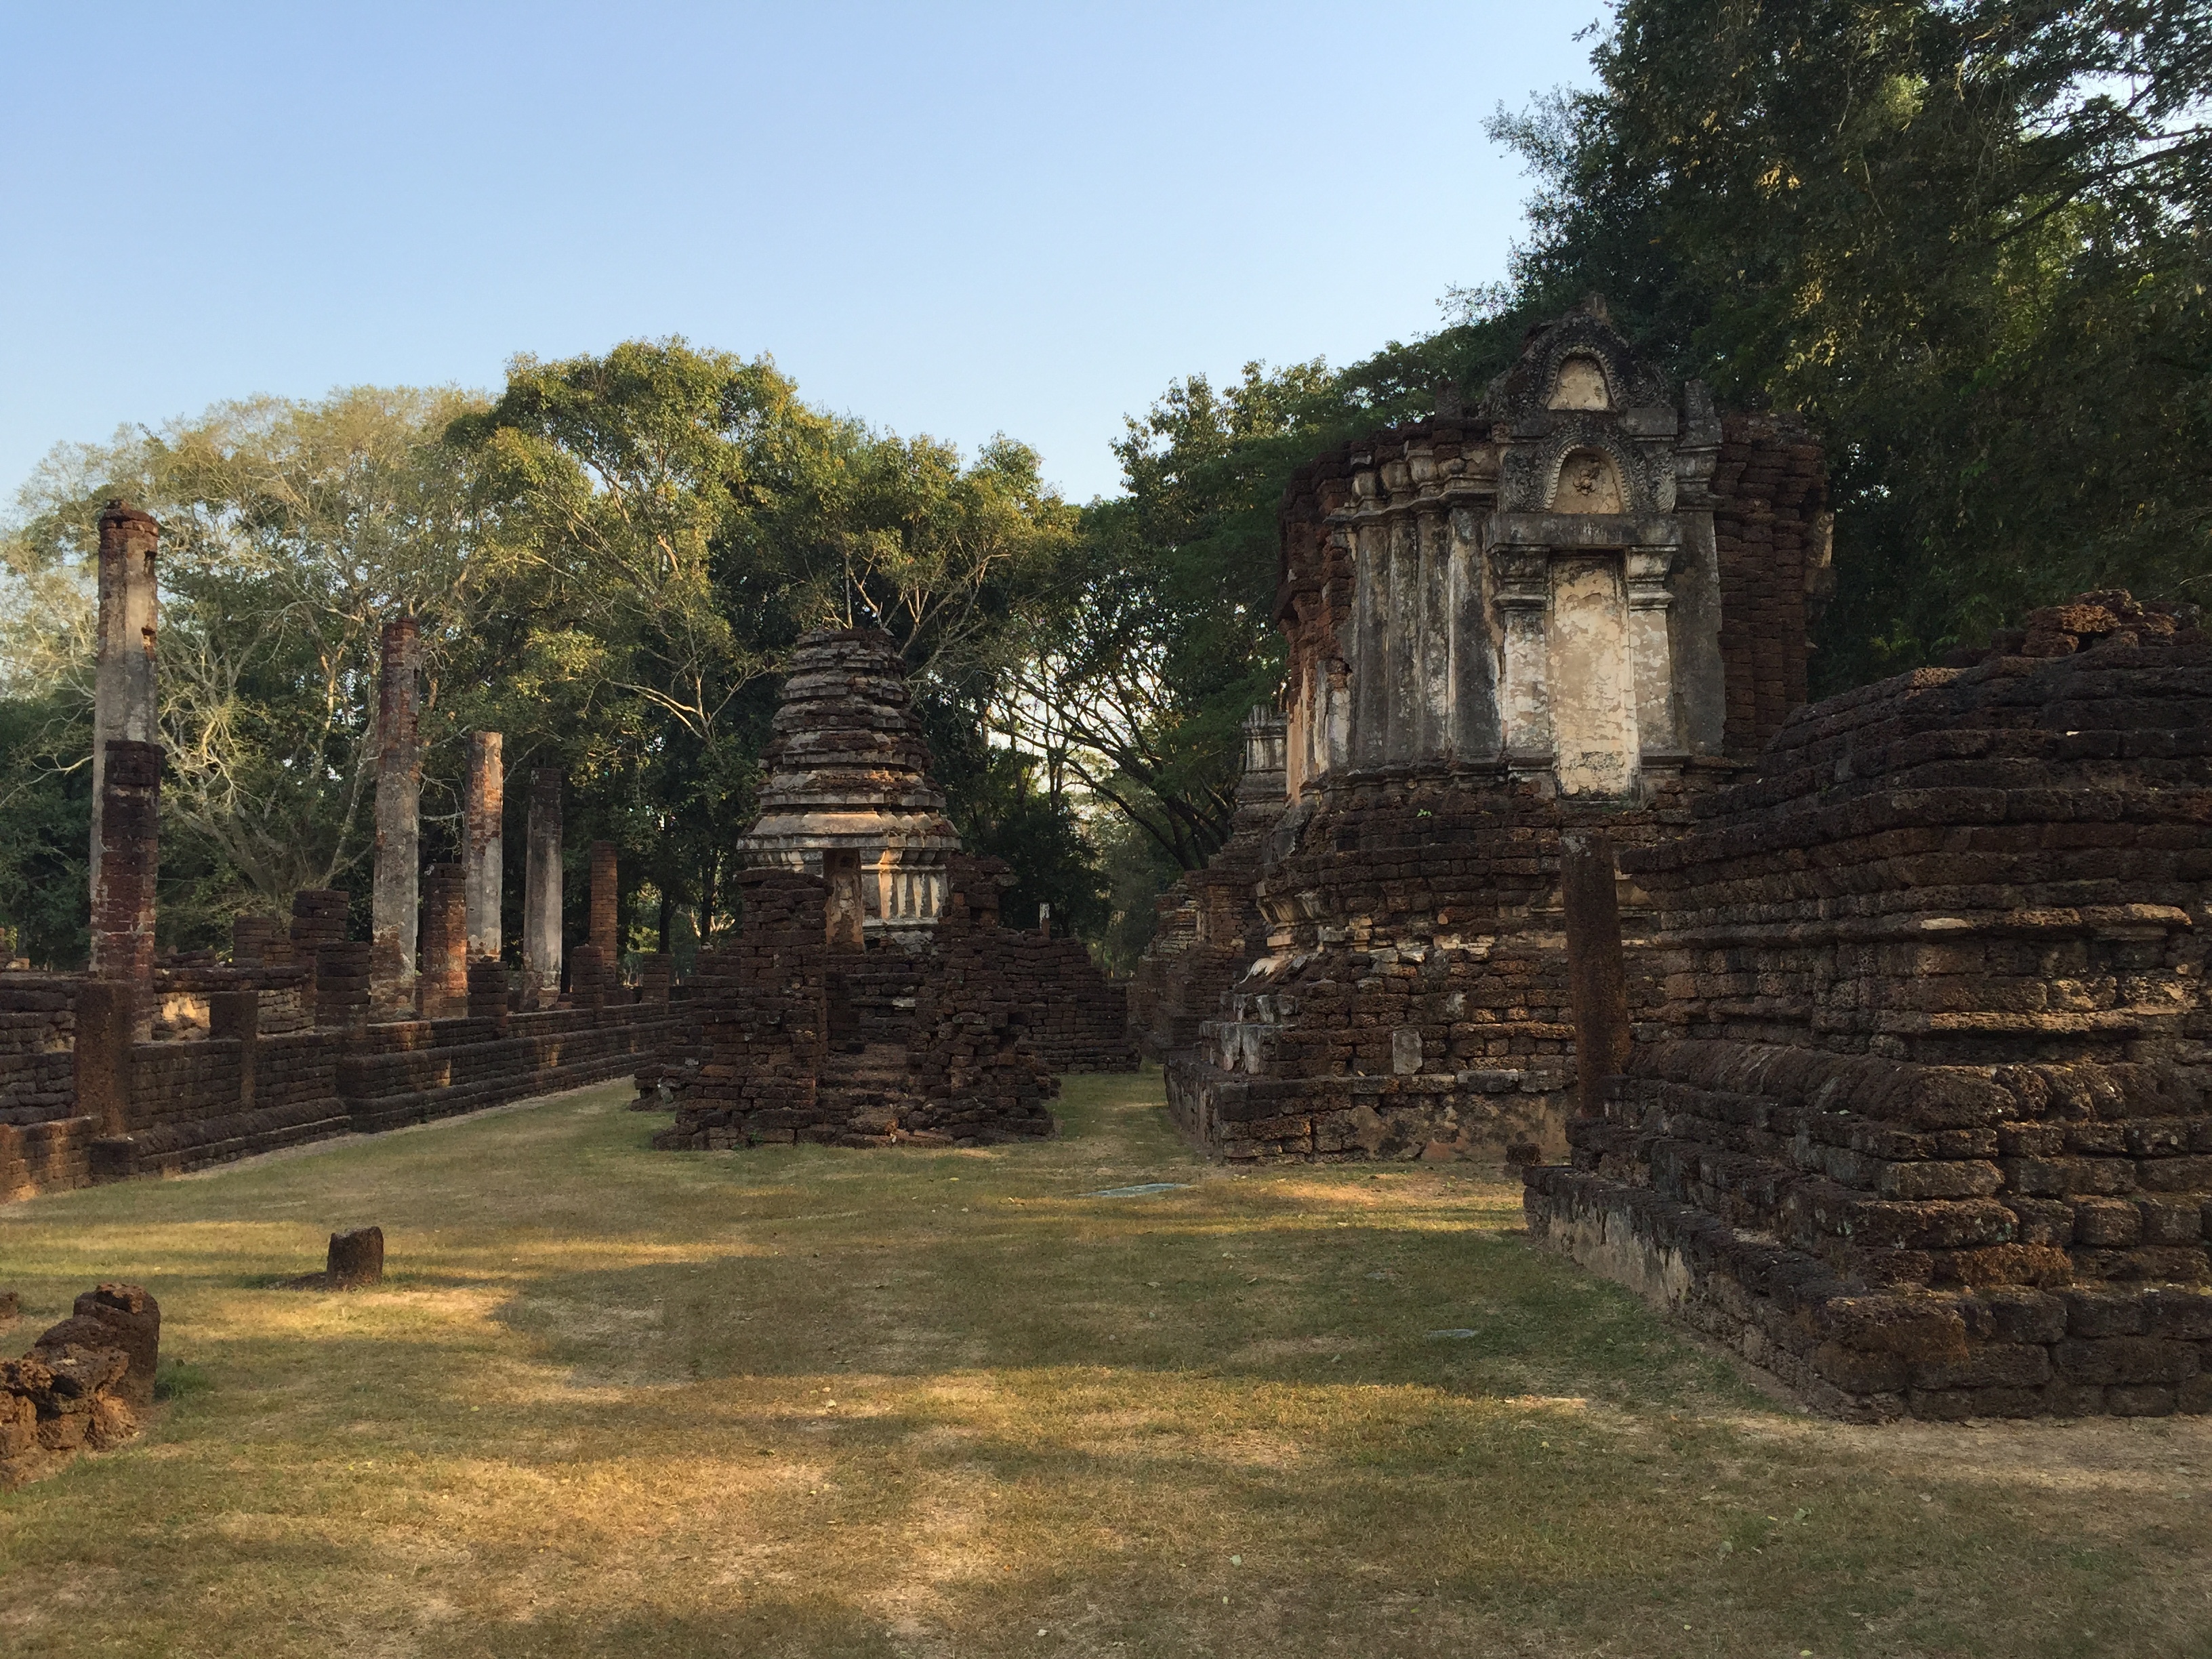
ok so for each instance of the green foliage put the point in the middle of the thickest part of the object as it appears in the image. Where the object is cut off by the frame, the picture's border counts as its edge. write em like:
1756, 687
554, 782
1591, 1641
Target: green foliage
1965, 237
607, 564
45, 801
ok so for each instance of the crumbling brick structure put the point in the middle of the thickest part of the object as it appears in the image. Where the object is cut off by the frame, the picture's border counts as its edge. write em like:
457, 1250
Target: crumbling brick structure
861, 1004
913, 1048
1211, 927
848, 774
1560, 611
283, 1044
86, 1385
1915, 1116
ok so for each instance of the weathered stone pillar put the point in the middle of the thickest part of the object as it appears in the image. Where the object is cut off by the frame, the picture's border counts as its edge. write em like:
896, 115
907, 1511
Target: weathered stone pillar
843, 910
342, 982
1651, 650
122, 898
541, 891
1597, 976
606, 899
237, 1015
396, 899
124, 700
488, 990
442, 992
1524, 599
1433, 645
652, 975
483, 854
106, 1012
1371, 668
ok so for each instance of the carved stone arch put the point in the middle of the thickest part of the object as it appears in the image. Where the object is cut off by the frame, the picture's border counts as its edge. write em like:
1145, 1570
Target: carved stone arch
1579, 382
1527, 389
1529, 476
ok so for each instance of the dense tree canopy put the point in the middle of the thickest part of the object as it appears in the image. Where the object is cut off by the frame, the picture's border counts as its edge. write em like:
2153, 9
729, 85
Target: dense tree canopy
1966, 238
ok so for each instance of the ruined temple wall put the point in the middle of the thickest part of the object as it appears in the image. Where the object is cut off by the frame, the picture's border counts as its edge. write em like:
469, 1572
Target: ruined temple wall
1412, 1000
763, 1024
1081, 1019
1918, 1120
413, 1072
213, 1098
979, 1073
1771, 533
37, 1034
1159, 1017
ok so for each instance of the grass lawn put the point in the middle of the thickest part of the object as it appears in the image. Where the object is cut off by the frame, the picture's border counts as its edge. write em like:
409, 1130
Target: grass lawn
810, 1402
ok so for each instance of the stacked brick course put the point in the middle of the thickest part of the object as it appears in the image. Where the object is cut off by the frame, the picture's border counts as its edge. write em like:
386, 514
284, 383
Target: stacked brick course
86, 1385
929, 1049
1081, 1019
1569, 609
1918, 1118
1771, 533
764, 1024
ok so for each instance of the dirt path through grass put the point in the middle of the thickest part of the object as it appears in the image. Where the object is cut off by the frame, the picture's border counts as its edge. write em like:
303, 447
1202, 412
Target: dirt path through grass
807, 1402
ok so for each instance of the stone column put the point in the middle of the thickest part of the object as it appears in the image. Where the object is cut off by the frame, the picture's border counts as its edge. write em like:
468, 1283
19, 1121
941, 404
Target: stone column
396, 900
1651, 649
1525, 597
1402, 630
1433, 649
123, 702
1473, 730
122, 898
442, 992
541, 891
653, 967
483, 854
1597, 976
606, 902
1371, 667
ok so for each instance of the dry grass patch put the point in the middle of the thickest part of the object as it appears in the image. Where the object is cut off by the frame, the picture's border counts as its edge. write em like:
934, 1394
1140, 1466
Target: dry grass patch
813, 1403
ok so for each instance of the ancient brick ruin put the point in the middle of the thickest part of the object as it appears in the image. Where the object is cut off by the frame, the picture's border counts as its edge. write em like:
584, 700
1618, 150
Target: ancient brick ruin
849, 775
87, 1383
143, 1065
871, 997
1915, 1114
1581, 605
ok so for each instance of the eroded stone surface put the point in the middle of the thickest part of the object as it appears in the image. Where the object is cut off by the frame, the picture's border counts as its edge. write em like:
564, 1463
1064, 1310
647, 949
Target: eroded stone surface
848, 772
1916, 1116
1566, 611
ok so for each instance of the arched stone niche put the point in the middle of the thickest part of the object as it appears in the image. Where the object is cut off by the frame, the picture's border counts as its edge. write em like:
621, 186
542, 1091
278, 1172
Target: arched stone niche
1580, 384
1589, 481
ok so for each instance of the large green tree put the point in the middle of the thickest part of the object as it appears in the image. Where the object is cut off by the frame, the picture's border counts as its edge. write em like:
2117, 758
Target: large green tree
1966, 238
290, 532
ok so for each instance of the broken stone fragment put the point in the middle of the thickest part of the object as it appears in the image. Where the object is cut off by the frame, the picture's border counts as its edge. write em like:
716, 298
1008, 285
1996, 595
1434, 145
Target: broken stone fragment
356, 1258
119, 1317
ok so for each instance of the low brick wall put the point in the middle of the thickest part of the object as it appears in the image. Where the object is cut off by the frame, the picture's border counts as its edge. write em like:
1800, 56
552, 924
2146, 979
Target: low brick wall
216, 1096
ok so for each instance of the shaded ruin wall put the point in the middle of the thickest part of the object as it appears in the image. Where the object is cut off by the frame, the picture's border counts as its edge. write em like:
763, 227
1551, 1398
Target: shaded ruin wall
1918, 1120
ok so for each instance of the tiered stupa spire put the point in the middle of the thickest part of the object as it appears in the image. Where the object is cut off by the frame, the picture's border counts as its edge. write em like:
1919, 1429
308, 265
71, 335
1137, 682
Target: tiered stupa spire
849, 775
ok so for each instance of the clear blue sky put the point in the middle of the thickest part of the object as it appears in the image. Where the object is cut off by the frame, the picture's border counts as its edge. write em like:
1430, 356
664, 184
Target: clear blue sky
957, 219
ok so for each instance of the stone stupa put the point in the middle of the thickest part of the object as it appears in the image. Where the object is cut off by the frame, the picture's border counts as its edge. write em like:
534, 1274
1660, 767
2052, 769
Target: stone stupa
849, 795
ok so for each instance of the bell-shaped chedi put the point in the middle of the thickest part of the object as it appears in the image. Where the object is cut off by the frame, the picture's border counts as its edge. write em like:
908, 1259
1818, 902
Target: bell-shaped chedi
849, 795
